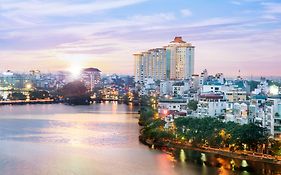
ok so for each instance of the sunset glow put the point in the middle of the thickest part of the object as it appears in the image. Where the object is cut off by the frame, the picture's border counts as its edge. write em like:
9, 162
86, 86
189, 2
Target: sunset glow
242, 35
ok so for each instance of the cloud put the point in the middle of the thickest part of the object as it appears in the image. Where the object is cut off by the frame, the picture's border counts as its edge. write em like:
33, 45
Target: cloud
186, 12
49, 35
272, 8
28, 13
240, 2
62, 8
236, 2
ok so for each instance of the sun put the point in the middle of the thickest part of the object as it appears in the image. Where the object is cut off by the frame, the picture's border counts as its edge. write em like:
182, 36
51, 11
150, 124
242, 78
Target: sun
75, 70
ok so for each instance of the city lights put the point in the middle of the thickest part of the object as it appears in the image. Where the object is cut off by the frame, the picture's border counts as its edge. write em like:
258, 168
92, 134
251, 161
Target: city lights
28, 86
140, 87
274, 90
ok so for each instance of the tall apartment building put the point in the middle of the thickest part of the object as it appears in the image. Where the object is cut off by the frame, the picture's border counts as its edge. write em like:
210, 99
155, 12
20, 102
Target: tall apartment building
91, 77
181, 59
175, 61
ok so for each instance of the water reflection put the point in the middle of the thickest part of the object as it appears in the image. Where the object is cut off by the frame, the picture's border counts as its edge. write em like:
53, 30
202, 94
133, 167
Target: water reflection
182, 155
96, 139
226, 166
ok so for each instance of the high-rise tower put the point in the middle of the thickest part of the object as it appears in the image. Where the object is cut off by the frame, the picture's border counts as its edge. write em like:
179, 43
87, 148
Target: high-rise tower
175, 61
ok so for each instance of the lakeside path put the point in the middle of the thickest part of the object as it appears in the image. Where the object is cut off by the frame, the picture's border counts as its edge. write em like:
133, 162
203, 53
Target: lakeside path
41, 101
236, 155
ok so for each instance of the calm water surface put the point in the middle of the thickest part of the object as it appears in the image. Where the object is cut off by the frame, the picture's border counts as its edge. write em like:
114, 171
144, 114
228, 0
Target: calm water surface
92, 140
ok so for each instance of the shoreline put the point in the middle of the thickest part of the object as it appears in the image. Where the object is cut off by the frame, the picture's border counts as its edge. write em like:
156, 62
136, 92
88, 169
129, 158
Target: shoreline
24, 102
241, 156
51, 101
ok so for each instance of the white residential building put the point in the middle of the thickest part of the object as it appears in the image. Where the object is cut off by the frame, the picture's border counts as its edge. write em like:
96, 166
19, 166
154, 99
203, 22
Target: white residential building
203, 77
236, 96
166, 87
273, 116
237, 112
172, 104
212, 88
179, 88
211, 105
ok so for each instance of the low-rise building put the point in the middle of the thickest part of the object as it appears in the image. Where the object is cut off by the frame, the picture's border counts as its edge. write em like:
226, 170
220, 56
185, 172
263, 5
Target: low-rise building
273, 116
166, 87
172, 104
212, 105
211, 87
236, 96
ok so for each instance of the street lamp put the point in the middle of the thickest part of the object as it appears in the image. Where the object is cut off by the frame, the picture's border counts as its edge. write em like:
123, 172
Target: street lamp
28, 86
274, 90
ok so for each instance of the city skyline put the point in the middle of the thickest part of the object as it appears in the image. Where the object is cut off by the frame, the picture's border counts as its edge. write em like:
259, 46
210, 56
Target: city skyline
54, 35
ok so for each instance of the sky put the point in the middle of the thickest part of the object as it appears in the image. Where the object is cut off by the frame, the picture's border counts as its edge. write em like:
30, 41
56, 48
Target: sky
51, 35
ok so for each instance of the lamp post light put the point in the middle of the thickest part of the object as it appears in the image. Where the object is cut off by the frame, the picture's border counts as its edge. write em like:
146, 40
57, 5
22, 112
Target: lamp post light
28, 87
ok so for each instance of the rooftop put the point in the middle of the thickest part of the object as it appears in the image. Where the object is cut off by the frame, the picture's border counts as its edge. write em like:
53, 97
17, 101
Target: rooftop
259, 96
275, 96
172, 100
91, 69
178, 39
211, 96
178, 84
213, 82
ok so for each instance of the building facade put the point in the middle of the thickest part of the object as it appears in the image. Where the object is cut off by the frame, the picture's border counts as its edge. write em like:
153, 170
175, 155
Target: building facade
91, 77
175, 61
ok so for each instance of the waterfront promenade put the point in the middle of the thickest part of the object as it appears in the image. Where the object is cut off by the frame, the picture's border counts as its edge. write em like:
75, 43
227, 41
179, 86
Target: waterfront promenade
39, 101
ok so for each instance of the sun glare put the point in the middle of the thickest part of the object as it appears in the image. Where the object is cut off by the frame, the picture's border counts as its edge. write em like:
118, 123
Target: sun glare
75, 70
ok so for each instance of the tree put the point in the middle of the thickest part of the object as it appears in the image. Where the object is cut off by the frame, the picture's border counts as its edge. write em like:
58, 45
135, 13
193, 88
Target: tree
250, 135
215, 133
192, 104
17, 96
144, 100
39, 95
275, 147
75, 93
73, 89
146, 115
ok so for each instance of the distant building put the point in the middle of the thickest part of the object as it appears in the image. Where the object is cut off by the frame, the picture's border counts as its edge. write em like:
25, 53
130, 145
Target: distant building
211, 105
175, 61
179, 88
91, 77
236, 96
203, 77
166, 88
11, 80
238, 112
273, 116
172, 104
212, 86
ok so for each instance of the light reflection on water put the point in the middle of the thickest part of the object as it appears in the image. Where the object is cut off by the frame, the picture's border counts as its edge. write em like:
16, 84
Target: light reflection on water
97, 139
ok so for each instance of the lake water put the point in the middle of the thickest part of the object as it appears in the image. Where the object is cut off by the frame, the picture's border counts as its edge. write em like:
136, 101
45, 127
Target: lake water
101, 139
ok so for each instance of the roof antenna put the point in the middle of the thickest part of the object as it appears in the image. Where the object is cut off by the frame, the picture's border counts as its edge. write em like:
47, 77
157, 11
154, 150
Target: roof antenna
239, 74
